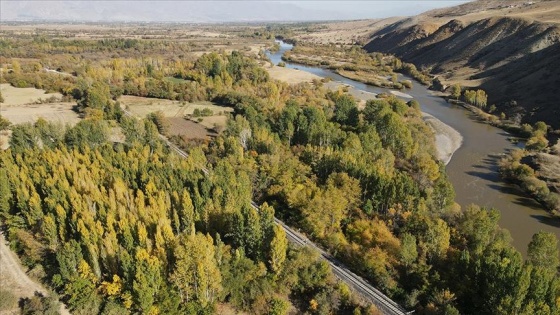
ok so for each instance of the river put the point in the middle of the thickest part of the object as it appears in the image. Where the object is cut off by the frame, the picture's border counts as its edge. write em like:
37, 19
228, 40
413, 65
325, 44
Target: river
473, 168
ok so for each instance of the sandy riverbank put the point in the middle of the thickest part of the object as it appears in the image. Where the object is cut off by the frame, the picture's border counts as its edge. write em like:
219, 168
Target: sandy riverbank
448, 140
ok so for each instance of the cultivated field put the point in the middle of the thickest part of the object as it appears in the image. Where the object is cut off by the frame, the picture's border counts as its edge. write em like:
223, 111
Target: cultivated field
179, 115
179, 126
142, 106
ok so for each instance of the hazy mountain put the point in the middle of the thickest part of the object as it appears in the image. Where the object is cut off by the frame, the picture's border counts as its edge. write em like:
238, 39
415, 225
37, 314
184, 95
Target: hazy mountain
150, 11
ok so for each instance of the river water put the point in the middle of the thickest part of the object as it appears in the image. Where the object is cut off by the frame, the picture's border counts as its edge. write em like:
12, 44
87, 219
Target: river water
473, 168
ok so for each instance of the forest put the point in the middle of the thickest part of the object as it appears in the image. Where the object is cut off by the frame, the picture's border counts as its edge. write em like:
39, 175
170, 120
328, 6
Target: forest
130, 227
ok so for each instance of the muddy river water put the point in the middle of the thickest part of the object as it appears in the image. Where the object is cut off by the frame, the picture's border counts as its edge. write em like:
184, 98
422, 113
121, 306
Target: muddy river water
473, 168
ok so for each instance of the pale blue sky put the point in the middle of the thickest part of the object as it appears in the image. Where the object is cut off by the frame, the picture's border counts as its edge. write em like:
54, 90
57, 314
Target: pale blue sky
377, 8
212, 11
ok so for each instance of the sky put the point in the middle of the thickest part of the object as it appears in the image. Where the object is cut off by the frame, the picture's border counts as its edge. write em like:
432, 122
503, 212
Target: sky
376, 8
212, 11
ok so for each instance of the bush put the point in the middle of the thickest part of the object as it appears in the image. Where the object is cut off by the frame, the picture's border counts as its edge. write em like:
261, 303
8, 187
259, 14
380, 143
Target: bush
407, 84
39, 304
4, 123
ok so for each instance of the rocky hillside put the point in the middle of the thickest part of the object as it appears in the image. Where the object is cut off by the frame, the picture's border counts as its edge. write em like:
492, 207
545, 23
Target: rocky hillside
509, 48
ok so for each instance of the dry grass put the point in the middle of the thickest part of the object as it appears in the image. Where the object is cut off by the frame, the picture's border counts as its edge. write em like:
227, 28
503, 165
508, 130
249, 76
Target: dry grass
549, 169
214, 121
20, 96
142, 106
291, 76
56, 112
346, 33
351, 32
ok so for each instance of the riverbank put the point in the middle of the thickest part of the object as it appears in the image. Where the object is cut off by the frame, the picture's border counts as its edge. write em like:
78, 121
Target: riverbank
447, 139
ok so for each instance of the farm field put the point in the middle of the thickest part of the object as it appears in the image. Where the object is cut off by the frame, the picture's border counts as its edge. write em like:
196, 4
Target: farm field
142, 106
178, 113
179, 126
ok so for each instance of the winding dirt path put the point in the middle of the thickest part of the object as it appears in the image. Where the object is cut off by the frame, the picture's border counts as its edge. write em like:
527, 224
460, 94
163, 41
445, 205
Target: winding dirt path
14, 278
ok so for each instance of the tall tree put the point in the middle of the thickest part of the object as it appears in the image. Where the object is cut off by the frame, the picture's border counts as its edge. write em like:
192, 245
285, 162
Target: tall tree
196, 271
278, 248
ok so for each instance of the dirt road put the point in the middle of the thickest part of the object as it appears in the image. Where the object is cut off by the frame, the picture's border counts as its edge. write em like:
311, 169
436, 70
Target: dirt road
14, 278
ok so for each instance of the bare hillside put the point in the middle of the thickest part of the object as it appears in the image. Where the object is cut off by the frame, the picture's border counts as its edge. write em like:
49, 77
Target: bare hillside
509, 48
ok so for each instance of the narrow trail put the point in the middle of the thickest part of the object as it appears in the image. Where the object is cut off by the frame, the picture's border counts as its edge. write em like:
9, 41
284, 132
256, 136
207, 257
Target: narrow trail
14, 278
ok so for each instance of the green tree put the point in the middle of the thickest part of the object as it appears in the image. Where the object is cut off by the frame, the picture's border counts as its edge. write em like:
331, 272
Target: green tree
470, 96
346, 111
147, 280
87, 133
409, 251
24, 136
538, 142
542, 255
543, 251
481, 98
5, 192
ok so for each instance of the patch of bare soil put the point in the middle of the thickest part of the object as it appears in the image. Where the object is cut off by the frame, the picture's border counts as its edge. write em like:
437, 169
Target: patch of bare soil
179, 126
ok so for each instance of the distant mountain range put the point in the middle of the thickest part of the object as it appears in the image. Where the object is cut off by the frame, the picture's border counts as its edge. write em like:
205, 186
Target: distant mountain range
160, 11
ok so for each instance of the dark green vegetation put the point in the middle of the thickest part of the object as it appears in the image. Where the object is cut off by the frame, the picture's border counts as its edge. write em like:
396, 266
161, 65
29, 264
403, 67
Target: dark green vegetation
131, 227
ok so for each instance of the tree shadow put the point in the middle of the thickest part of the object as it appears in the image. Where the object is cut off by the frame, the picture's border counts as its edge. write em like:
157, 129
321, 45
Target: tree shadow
489, 176
555, 222
480, 166
528, 202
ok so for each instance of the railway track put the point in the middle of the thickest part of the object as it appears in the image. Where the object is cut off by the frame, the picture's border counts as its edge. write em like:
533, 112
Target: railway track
357, 283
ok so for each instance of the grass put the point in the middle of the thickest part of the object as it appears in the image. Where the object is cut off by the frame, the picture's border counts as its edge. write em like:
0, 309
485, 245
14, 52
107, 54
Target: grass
8, 301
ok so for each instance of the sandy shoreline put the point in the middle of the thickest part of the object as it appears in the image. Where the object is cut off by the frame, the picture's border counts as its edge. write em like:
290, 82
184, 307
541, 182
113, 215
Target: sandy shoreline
447, 139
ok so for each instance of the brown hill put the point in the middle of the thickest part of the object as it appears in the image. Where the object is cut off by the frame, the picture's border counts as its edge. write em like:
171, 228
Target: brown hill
509, 48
